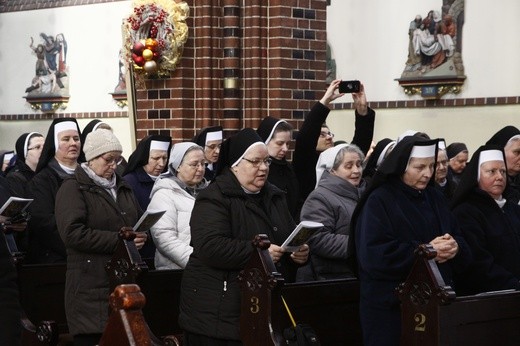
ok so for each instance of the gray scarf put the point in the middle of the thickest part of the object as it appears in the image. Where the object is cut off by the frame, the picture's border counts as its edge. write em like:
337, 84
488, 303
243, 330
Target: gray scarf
107, 184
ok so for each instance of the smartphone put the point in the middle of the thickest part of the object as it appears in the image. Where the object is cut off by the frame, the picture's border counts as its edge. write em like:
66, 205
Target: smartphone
349, 86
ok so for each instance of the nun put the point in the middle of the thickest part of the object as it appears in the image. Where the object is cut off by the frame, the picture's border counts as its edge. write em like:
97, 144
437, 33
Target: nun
57, 162
490, 224
338, 189
277, 135
145, 165
239, 204
210, 138
28, 150
458, 158
445, 185
380, 152
509, 139
400, 210
175, 192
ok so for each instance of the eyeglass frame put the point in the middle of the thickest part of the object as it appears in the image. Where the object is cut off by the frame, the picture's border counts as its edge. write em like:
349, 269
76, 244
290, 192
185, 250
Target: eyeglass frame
257, 162
112, 161
324, 134
196, 166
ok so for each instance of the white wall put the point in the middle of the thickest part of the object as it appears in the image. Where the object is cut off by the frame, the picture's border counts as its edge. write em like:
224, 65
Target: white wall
93, 34
369, 41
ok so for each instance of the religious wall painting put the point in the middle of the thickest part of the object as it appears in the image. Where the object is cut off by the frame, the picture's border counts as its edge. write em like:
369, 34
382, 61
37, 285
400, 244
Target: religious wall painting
434, 66
49, 88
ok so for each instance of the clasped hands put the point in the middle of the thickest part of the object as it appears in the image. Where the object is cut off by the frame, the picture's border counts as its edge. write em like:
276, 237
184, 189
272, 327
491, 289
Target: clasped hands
445, 246
299, 257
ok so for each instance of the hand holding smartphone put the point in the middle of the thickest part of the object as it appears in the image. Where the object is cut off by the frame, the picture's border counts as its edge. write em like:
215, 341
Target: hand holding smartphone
349, 86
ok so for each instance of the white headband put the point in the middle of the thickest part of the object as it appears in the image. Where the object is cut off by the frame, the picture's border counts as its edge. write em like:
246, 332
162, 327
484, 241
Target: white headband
26, 143
213, 136
383, 153
272, 130
159, 145
60, 127
488, 155
514, 138
422, 151
241, 157
442, 145
326, 161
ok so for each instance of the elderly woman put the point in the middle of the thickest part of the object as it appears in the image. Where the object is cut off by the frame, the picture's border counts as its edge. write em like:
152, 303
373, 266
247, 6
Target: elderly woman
490, 223
145, 165
28, 150
91, 209
210, 138
175, 192
401, 210
332, 203
277, 134
236, 206
58, 160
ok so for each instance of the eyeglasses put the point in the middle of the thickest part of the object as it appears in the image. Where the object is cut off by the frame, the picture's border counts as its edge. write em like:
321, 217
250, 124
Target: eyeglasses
196, 165
113, 160
38, 147
324, 134
213, 146
257, 162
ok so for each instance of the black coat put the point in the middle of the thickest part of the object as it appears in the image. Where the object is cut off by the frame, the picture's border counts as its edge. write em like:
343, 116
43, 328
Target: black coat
45, 244
493, 234
305, 156
224, 221
281, 175
19, 177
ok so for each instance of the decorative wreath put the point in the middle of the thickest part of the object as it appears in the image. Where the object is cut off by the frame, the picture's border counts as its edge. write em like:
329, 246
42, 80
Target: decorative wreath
155, 34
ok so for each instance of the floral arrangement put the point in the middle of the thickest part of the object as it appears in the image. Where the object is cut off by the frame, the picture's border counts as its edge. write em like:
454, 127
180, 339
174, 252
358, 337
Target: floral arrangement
155, 34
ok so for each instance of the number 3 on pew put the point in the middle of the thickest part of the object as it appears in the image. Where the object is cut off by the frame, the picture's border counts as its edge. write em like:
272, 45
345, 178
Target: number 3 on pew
421, 322
254, 308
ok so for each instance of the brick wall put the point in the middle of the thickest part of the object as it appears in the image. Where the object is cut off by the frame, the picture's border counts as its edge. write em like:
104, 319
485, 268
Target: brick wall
242, 62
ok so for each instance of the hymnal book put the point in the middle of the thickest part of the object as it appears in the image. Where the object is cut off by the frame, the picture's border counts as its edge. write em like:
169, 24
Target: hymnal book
15, 206
149, 218
300, 235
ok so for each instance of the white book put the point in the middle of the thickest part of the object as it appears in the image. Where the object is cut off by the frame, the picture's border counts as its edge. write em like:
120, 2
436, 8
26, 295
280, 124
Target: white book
148, 219
15, 206
300, 235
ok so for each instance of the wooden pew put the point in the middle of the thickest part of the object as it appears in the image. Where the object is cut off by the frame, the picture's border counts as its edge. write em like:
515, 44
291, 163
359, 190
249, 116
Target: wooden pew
161, 287
433, 315
331, 308
126, 325
41, 288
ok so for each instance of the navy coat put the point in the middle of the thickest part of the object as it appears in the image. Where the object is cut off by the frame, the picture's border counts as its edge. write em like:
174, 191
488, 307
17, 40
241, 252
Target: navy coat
493, 234
394, 220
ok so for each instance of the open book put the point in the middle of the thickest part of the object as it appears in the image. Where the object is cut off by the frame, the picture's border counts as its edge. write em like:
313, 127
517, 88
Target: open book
300, 235
149, 218
14, 206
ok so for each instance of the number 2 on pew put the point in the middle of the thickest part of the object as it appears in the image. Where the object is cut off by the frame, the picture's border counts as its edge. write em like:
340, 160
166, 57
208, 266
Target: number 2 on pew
421, 322
254, 302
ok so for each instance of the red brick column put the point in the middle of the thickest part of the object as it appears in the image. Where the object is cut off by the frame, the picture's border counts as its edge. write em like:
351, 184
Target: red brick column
242, 62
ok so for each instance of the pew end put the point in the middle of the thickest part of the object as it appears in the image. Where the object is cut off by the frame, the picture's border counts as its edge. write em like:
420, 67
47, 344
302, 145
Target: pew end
432, 314
259, 281
330, 307
126, 263
126, 324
